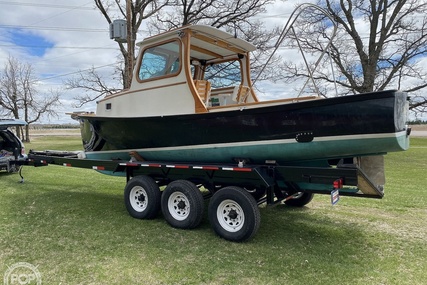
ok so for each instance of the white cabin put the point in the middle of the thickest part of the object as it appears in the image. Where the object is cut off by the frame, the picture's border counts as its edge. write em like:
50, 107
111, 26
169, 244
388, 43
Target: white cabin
193, 69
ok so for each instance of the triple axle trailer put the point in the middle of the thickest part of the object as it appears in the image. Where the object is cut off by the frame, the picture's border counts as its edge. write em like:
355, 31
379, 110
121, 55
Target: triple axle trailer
179, 190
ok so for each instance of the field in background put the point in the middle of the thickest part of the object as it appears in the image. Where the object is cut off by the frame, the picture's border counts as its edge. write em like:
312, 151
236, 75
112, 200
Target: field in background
73, 225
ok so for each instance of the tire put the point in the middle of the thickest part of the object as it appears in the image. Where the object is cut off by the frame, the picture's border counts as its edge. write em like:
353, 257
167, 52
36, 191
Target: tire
301, 200
142, 197
234, 214
182, 204
14, 168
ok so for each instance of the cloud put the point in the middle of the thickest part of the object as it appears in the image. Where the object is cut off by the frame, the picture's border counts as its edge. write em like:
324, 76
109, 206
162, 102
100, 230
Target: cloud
57, 40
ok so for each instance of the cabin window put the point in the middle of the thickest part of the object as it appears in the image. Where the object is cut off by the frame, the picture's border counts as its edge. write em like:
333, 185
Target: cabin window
224, 74
159, 61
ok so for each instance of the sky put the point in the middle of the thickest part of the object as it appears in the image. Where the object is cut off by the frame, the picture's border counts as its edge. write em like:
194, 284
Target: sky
61, 38
58, 38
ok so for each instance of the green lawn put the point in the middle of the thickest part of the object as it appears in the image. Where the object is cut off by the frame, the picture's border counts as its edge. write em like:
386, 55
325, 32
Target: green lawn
73, 225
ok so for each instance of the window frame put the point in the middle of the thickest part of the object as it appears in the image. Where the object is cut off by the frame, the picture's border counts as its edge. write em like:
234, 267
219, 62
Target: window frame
140, 62
225, 61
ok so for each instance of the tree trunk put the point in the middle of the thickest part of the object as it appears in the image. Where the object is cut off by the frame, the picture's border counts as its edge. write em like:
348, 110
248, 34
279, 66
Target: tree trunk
27, 133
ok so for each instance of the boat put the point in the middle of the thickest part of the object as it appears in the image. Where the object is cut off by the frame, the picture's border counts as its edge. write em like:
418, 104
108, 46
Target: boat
192, 100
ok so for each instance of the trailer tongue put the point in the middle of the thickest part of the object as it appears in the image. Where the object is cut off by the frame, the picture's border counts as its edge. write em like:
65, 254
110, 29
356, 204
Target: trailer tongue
235, 190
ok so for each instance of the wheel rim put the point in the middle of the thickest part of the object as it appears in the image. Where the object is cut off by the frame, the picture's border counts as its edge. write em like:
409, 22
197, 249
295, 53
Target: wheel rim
178, 206
138, 198
230, 215
297, 195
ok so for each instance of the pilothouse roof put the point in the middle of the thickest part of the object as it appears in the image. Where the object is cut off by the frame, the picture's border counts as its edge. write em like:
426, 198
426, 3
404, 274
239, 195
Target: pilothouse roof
206, 38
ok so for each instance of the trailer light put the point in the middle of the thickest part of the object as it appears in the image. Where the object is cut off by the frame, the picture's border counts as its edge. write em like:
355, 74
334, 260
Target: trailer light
95, 167
338, 183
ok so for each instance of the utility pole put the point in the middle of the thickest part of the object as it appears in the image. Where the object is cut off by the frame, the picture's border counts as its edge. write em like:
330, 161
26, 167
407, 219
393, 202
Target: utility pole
130, 44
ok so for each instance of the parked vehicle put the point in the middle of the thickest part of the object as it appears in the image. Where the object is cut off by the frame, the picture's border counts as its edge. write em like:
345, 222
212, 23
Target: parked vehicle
12, 149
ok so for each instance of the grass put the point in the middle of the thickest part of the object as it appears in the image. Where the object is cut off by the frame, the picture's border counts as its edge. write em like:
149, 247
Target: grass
72, 224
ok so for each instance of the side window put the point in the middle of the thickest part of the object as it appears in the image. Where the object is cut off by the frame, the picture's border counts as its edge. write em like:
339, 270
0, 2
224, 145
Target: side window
161, 60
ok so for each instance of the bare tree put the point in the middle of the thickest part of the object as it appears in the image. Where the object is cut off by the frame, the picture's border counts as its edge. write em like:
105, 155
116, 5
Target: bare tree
92, 83
236, 17
19, 97
379, 46
233, 16
135, 12
216, 13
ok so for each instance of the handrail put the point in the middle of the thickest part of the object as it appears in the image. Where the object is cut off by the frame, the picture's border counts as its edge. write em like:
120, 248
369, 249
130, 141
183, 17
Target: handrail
289, 27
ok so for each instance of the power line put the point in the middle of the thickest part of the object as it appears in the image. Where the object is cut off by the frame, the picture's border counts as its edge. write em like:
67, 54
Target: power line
69, 54
47, 5
56, 15
76, 72
56, 47
62, 29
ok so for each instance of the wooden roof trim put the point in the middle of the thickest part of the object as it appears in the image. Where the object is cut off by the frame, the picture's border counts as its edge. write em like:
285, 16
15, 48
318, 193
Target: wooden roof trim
205, 51
217, 42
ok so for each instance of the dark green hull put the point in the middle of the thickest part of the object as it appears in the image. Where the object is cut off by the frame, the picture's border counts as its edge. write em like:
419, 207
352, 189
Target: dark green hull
366, 124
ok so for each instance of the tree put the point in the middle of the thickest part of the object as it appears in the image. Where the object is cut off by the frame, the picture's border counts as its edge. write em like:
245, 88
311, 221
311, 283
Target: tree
19, 97
234, 16
135, 12
216, 13
380, 45
93, 85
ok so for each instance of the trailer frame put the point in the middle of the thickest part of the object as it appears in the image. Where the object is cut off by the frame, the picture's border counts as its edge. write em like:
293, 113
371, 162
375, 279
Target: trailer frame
236, 190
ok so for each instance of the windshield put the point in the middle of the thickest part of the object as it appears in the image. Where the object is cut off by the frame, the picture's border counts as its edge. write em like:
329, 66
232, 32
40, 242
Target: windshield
224, 74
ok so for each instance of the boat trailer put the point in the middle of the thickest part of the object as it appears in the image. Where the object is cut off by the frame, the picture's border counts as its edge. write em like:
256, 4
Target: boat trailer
235, 190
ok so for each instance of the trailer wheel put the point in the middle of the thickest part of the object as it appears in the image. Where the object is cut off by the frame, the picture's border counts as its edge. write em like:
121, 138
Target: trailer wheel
234, 214
182, 204
142, 197
300, 200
